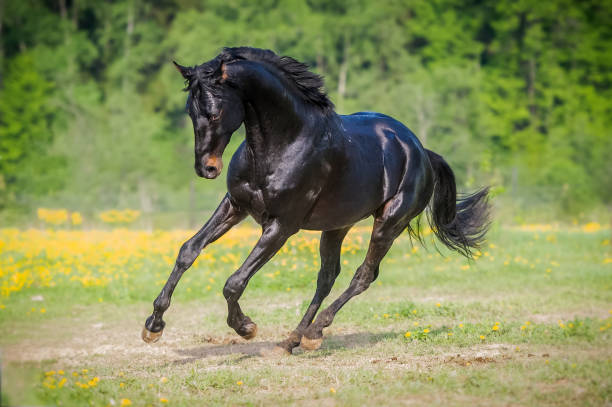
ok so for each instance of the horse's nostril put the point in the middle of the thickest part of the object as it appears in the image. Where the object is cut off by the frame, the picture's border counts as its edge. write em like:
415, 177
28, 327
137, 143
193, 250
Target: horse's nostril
210, 169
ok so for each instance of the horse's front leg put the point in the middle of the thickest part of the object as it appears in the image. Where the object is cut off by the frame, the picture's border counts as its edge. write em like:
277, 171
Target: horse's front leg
226, 216
272, 239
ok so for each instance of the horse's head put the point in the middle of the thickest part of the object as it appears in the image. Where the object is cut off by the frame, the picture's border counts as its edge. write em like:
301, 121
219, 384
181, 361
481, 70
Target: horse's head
216, 111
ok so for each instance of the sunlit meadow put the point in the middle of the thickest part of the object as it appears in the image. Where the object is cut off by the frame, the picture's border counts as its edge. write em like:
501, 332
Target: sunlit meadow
527, 322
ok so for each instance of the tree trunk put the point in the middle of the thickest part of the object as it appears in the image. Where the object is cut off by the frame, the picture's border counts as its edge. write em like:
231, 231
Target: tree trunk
69, 73
75, 14
146, 204
129, 31
320, 64
424, 112
63, 10
531, 78
343, 74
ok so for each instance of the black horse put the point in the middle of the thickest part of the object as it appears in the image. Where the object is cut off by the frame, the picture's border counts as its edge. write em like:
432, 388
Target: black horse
302, 166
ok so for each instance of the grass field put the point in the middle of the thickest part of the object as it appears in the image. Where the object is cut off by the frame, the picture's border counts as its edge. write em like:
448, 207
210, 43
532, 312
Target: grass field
527, 323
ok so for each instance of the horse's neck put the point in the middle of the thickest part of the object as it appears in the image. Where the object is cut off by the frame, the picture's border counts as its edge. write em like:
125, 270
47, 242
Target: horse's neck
274, 116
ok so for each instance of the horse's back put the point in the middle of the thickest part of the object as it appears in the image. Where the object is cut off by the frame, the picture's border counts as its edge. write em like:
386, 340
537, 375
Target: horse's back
374, 155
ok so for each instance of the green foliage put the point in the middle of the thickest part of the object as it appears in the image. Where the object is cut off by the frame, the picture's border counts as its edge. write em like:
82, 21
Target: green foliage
25, 139
513, 94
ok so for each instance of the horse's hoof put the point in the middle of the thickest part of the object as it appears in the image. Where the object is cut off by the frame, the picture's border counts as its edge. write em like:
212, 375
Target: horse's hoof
250, 331
311, 344
151, 337
276, 351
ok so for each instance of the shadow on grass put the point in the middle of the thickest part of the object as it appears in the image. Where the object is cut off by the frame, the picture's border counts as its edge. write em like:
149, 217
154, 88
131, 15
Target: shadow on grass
254, 349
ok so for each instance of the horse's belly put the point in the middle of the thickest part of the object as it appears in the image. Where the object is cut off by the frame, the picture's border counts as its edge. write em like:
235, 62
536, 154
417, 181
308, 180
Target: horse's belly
332, 218
345, 202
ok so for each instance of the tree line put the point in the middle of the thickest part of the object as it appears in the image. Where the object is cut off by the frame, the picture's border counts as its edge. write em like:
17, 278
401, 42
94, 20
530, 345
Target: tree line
516, 94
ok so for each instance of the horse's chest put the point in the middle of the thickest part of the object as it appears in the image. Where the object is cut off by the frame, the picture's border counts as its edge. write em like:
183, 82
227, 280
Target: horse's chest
249, 197
278, 195
286, 186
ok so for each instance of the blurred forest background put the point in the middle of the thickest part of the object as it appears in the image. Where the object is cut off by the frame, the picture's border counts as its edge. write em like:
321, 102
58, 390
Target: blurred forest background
514, 94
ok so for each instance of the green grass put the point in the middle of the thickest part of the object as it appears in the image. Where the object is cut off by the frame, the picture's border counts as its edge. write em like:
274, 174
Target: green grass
548, 293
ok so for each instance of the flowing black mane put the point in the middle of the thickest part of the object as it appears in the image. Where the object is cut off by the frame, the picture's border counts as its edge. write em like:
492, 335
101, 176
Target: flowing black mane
308, 84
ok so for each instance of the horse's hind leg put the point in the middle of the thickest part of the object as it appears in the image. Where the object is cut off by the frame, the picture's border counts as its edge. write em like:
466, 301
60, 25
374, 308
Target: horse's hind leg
226, 216
391, 220
331, 243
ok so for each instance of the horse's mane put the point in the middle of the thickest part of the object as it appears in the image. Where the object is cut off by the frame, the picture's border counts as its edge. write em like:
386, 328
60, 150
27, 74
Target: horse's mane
308, 84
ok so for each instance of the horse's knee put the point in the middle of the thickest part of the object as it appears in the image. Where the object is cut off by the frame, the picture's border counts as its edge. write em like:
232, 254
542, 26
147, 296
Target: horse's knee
187, 255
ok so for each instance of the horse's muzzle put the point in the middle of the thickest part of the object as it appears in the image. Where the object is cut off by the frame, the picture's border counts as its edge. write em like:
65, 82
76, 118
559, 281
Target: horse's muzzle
210, 169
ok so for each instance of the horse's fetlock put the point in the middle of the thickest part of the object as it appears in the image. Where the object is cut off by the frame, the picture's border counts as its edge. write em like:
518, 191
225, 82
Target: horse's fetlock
161, 304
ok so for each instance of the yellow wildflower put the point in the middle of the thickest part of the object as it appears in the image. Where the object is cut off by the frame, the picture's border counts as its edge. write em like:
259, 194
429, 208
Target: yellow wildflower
76, 218
239, 383
408, 334
125, 402
52, 216
591, 227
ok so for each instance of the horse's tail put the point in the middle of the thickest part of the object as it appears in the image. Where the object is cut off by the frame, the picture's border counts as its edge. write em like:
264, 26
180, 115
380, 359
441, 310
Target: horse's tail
459, 222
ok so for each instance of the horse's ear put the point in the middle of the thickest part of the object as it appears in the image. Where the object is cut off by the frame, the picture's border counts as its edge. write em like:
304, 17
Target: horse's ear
184, 70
